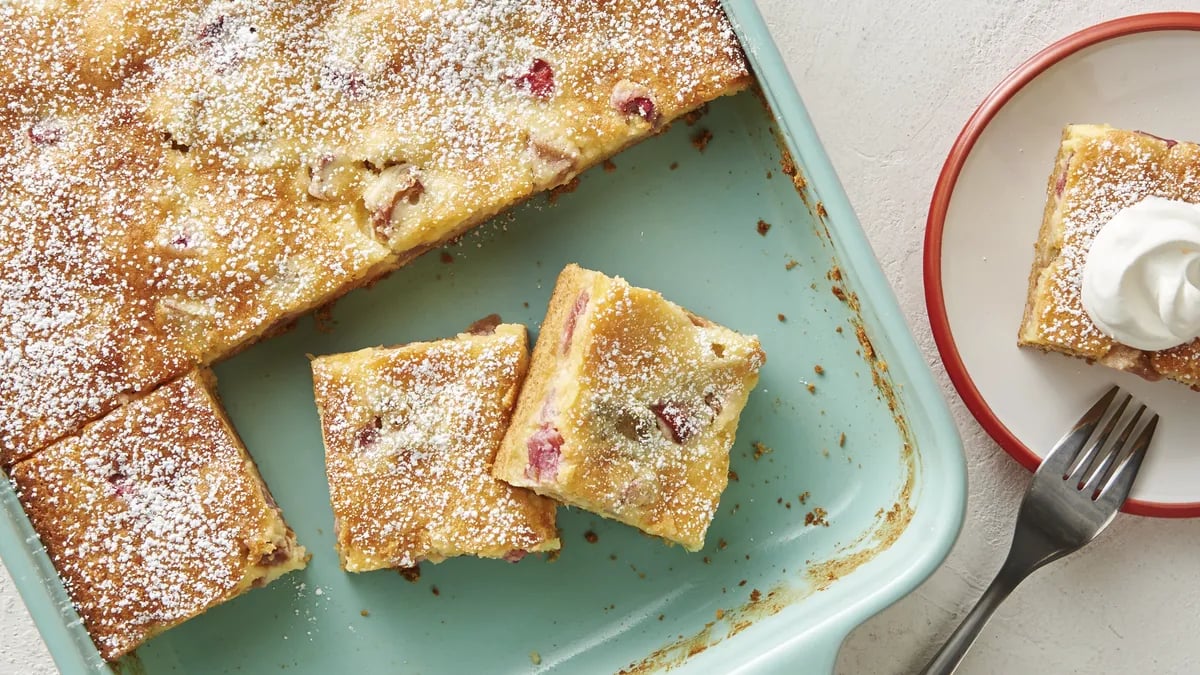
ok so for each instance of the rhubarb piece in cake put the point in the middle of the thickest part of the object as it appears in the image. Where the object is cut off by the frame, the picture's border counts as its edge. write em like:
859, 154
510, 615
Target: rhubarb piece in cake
630, 407
154, 514
410, 436
1101, 173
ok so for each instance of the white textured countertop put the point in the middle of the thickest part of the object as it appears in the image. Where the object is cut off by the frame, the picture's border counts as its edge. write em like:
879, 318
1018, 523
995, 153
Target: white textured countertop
889, 85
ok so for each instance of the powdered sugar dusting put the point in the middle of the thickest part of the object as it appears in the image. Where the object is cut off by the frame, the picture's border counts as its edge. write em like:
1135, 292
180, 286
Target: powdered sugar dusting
419, 485
152, 515
158, 160
648, 434
1105, 170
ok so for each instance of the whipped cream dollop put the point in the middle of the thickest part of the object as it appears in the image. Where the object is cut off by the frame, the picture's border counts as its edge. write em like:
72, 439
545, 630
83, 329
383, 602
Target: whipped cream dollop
1141, 281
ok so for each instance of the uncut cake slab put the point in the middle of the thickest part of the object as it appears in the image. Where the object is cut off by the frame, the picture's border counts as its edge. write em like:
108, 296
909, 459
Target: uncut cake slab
242, 212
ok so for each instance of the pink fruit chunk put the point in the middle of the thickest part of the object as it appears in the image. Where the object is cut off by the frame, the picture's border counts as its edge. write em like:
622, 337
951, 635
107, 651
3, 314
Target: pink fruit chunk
581, 303
545, 450
538, 80
641, 106
515, 555
634, 99
1169, 141
46, 132
118, 479
212, 31
1062, 178
675, 421
369, 435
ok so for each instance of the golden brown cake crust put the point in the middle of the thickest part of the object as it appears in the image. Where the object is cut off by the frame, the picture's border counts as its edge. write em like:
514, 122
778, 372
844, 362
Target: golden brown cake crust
177, 177
1100, 170
154, 514
410, 436
630, 407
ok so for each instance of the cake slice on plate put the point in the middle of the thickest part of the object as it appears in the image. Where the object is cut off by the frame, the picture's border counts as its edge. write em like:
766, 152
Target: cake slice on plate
410, 436
630, 408
1101, 173
154, 514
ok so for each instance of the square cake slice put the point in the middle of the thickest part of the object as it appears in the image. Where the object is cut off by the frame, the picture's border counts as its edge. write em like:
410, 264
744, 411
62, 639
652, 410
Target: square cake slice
154, 514
630, 408
1099, 171
410, 436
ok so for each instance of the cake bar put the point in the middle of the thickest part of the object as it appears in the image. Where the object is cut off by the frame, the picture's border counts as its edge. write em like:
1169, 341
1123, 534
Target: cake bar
1100, 170
410, 436
155, 514
630, 407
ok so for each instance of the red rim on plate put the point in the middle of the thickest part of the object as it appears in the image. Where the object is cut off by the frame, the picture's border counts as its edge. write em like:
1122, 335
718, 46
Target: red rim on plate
959, 152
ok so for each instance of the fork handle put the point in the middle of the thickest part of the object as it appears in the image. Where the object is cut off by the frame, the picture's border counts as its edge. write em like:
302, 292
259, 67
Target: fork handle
951, 654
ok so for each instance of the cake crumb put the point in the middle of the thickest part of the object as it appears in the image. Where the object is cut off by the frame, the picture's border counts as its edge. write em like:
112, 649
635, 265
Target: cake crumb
608, 165
701, 139
838, 329
839, 293
842, 440
812, 388
661, 617
707, 560
525, 305
803, 497
447, 258
755, 595
535, 658
816, 517
733, 476
818, 369
674, 165
791, 264
770, 175
410, 574
323, 318
742, 582
591, 537
364, 613
720, 614
721, 544
760, 449
782, 318
763, 227
434, 590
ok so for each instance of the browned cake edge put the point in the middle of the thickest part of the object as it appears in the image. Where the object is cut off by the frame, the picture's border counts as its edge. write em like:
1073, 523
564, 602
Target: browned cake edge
512, 458
1046, 251
293, 557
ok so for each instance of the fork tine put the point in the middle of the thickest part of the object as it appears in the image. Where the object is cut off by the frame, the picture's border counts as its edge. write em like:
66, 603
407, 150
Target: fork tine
1117, 485
1067, 448
1087, 458
1106, 459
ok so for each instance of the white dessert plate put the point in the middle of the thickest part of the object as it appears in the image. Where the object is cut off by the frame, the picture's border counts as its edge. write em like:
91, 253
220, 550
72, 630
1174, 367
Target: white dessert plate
1138, 72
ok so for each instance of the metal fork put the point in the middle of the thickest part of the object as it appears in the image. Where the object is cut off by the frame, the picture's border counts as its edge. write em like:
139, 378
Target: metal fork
1075, 494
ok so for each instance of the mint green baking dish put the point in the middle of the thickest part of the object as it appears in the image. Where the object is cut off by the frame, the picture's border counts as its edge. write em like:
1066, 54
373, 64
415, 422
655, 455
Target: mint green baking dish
853, 495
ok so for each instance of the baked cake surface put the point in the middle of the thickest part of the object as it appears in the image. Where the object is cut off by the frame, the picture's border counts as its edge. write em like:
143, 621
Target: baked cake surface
1100, 170
630, 407
155, 514
179, 176
410, 436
